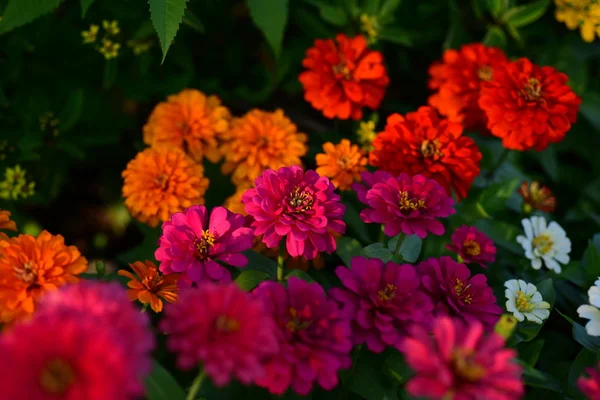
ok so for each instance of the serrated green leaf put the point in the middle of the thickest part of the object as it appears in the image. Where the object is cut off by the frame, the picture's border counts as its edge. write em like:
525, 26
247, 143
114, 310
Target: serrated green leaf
525, 14
495, 37
20, 12
250, 279
270, 16
71, 111
347, 248
166, 16
85, 5
160, 385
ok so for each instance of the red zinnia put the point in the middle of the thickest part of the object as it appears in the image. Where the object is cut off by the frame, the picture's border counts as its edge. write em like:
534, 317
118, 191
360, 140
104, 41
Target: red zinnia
422, 143
343, 77
529, 106
472, 246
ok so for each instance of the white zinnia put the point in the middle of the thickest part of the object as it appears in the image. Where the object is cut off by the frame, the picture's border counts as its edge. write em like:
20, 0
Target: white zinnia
548, 243
591, 311
524, 301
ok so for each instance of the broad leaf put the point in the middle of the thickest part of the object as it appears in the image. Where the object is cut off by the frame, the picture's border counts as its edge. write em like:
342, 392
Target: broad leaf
388, 7
530, 352
347, 248
85, 4
250, 279
493, 199
166, 16
270, 16
378, 250
495, 37
258, 262
160, 385
396, 34
536, 378
367, 380
298, 273
549, 162
331, 13
410, 248
72, 111
591, 260
21, 12
526, 14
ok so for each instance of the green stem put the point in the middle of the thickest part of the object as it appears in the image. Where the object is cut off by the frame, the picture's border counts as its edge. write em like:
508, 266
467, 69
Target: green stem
501, 159
280, 262
193, 393
381, 235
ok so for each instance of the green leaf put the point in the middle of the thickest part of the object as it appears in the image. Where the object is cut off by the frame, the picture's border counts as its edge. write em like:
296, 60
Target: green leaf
71, 111
410, 247
536, 378
591, 259
298, 273
495, 7
258, 262
581, 336
530, 352
110, 74
250, 279
160, 385
85, 4
367, 380
378, 250
352, 219
21, 12
525, 14
330, 13
166, 16
549, 162
396, 35
388, 7
395, 366
495, 37
190, 19
493, 199
347, 248
270, 16
502, 233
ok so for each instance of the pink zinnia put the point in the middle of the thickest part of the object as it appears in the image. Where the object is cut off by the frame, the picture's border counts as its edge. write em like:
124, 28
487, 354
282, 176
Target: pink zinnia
223, 329
455, 292
404, 204
381, 300
314, 337
192, 242
472, 246
590, 385
461, 361
301, 206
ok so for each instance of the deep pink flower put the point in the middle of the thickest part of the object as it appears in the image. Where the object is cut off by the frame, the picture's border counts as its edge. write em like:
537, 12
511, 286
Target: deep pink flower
404, 204
192, 243
456, 293
590, 385
314, 337
460, 361
222, 328
473, 246
381, 300
299, 205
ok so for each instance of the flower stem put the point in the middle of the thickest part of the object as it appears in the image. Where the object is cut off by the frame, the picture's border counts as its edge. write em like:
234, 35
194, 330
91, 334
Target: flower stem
381, 235
145, 308
501, 159
193, 393
280, 263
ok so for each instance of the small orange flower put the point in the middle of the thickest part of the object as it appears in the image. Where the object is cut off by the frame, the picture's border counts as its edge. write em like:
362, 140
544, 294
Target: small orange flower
189, 120
342, 163
537, 196
149, 286
29, 267
160, 182
258, 141
234, 202
6, 224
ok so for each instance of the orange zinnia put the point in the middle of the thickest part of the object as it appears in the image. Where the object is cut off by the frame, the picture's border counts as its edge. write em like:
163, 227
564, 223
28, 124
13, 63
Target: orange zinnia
29, 267
149, 286
189, 120
6, 224
342, 163
161, 181
258, 141
422, 143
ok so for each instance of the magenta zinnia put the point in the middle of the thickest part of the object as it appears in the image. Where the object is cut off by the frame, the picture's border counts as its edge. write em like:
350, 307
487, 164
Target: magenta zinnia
192, 242
314, 337
459, 361
472, 246
298, 205
382, 301
590, 385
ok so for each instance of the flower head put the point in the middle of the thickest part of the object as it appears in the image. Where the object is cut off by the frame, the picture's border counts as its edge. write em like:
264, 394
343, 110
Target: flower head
524, 301
298, 205
472, 246
6, 224
536, 196
109, 49
382, 300
343, 76
528, 106
592, 311
230, 334
313, 335
16, 185
149, 286
258, 141
160, 182
189, 120
91, 34
547, 243
369, 25
590, 384
342, 163
404, 204
456, 293
461, 361
580, 14
31, 266
366, 134
422, 143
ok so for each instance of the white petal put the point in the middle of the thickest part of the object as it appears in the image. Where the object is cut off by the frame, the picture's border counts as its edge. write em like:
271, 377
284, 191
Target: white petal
513, 284
510, 306
542, 314
539, 225
542, 305
593, 328
561, 257
522, 286
552, 264
528, 228
531, 289
537, 297
536, 263
533, 318
588, 312
519, 316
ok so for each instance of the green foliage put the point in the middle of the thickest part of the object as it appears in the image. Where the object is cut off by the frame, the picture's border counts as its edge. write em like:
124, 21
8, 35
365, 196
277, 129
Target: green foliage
160, 385
270, 16
248, 280
526, 14
85, 5
166, 17
21, 12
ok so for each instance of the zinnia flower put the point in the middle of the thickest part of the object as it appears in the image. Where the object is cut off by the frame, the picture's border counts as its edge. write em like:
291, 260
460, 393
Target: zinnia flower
149, 286
222, 328
545, 242
590, 385
160, 182
192, 242
313, 335
343, 76
528, 106
472, 246
382, 300
258, 141
456, 293
6, 224
342, 163
580, 14
524, 301
536, 196
404, 204
31, 266
591, 311
301, 206
424, 144
461, 361
457, 80
191, 121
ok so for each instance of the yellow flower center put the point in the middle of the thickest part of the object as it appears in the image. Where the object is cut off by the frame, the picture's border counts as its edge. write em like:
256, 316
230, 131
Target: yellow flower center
295, 324
226, 324
543, 244
461, 291
485, 73
523, 302
465, 367
206, 241
343, 70
387, 293
26, 272
56, 377
300, 201
471, 248
408, 204
430, 148
532, 90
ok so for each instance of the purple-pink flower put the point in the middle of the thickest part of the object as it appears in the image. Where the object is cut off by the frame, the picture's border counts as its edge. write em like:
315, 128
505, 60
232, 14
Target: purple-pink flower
193, 243
460, 361
472, 246
590, 385
456, 293
314, 337
411, 205
381, 300
222, 328
300, 206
